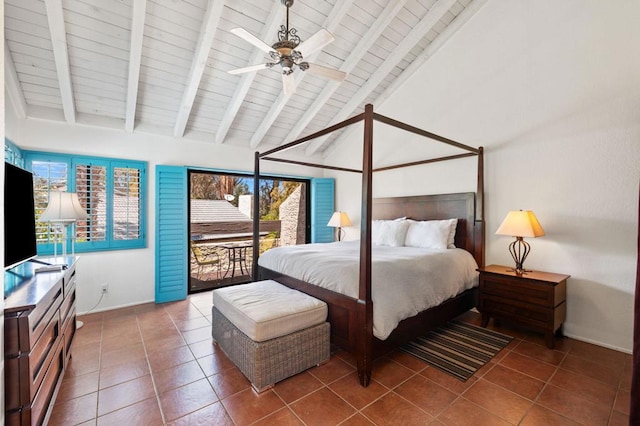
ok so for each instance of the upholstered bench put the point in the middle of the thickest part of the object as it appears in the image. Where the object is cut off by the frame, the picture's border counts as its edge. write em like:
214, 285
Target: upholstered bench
270, 331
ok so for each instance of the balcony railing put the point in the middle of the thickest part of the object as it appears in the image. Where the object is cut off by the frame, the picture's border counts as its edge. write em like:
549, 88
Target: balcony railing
221, 253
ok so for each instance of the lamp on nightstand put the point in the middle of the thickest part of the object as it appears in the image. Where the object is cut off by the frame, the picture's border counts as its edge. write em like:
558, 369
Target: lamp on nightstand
339, 220
520, 224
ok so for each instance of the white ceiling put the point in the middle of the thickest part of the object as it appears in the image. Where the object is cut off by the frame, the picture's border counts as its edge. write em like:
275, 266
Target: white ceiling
160, 66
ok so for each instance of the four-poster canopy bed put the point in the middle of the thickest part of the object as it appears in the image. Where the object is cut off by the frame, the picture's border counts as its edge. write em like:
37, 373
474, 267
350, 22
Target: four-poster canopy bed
351, 318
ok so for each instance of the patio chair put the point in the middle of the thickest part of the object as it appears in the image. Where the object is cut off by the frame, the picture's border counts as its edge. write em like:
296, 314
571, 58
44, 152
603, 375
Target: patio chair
205, 256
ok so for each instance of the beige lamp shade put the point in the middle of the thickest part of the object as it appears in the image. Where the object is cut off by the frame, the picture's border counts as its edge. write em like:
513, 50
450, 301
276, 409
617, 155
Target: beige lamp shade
63, 207
519, 223
339, 220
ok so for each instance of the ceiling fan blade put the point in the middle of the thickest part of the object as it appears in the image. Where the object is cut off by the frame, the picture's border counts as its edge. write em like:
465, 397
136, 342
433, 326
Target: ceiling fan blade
248, 69
315, 42
326, 72
288, 84
247, 36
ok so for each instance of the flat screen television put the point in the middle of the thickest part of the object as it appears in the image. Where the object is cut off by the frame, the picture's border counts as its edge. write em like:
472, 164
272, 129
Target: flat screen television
19, 216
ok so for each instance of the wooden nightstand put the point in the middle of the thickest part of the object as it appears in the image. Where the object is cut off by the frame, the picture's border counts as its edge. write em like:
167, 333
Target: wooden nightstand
536, 299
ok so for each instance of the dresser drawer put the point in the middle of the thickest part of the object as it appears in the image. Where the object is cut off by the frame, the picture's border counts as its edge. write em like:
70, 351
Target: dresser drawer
43, 351
524, 291
13, 418
39, 318
17, 395
517, 311
68, 303
44, 396
69, 281
68, 331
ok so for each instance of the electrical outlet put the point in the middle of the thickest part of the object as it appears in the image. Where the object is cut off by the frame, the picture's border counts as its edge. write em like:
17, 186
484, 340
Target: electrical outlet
105, 288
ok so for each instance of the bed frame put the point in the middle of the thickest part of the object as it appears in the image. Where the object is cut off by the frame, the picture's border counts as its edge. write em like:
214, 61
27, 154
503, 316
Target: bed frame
352, 319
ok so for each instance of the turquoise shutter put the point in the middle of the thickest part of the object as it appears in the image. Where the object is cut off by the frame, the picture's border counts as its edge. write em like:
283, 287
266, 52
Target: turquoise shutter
171, 233
322, 206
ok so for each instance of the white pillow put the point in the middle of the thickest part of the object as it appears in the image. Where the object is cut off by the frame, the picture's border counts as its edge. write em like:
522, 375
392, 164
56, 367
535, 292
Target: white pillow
451, 241
389, 232
437, 234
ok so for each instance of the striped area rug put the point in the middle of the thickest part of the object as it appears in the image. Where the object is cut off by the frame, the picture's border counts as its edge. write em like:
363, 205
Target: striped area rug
457, 348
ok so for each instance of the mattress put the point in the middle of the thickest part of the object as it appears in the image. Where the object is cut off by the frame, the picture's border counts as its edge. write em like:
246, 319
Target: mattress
405, 280
264, 310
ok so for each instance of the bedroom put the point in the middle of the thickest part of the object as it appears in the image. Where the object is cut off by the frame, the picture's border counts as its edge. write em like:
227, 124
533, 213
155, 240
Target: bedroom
550, 92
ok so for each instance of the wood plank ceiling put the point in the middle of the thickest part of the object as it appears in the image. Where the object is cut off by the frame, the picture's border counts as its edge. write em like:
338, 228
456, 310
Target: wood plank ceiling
160, 66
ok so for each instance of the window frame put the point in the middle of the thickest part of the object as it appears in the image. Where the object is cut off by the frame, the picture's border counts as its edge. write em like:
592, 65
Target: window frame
71, 161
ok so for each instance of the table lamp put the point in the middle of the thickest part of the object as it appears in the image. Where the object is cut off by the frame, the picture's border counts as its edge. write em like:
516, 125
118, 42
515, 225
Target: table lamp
520, 224
339, 220
63, 209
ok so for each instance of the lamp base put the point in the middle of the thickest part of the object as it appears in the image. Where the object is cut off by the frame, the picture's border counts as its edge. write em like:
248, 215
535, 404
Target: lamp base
519, 271
519, 250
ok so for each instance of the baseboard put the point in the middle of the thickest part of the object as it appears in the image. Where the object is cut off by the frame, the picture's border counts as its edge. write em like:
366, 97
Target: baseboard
111, 308
594, 342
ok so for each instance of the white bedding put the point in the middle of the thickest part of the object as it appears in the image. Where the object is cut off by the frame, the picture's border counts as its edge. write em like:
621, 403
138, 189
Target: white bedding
405, 280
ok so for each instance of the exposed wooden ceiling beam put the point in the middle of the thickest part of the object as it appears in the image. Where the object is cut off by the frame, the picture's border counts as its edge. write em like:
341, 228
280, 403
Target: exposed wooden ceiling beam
207, 33
417, 33
12, 84
331, 23
363, 46
135, 56
270, 28
431, 50
58, 33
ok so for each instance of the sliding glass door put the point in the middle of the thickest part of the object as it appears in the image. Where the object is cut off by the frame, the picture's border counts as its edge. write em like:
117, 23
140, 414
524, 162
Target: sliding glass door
221, 224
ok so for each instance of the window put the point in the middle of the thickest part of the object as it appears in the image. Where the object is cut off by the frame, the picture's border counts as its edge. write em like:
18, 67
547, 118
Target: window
111, 191
13, 154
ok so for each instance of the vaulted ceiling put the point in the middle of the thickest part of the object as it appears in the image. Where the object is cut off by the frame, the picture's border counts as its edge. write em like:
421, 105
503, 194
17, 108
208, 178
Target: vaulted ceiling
160, 66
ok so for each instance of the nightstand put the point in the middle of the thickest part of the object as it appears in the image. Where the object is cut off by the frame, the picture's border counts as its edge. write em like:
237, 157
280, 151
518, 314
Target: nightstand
536, 299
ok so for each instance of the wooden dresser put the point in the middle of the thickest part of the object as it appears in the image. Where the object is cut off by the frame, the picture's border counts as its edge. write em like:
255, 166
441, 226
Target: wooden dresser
536, 299
39, 325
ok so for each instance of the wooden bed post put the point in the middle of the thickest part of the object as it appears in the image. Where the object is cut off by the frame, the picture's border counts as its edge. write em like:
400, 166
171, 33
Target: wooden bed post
479, 231
365, 304
352, 319
256, 217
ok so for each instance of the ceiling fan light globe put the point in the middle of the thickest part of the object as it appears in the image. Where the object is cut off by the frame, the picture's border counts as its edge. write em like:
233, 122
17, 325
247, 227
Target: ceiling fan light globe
275, 56
296, 56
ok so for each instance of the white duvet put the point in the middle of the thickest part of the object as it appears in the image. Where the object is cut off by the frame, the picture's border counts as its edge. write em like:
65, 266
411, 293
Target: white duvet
405, 280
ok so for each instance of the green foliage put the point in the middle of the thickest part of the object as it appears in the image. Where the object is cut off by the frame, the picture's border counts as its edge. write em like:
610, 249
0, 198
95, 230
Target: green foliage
272, 194
209, 186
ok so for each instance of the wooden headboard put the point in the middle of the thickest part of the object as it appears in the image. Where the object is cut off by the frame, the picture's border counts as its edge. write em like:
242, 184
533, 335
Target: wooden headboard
469, 232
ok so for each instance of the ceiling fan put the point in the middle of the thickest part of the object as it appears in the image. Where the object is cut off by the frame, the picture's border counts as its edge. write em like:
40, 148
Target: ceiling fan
288, 52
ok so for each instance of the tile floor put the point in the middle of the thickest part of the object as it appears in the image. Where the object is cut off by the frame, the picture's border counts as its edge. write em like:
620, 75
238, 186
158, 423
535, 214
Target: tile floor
156, 364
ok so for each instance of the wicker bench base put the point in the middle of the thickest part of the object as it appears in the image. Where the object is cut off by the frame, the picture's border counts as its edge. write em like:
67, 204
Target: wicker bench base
268, 362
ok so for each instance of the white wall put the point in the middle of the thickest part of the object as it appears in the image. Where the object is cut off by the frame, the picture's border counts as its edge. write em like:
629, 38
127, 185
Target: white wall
552, 91
129, 273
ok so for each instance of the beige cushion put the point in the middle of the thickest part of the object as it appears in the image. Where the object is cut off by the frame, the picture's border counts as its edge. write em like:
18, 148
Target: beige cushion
265, 310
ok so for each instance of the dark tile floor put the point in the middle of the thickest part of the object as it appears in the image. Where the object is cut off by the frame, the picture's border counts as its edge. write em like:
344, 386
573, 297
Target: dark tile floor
156, 364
